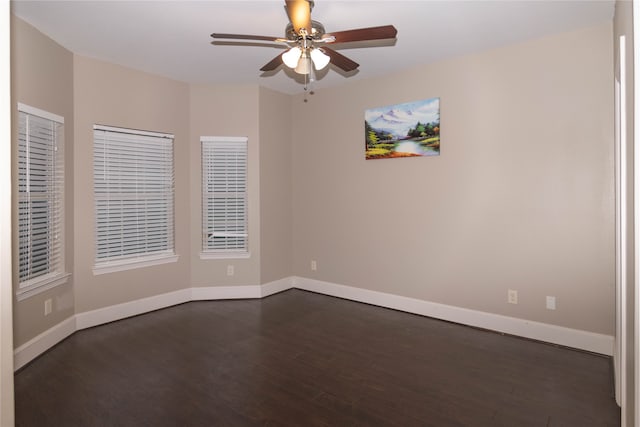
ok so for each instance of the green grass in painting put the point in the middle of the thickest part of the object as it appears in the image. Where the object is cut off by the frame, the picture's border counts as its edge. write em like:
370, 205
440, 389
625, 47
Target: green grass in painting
378, 151
428, 141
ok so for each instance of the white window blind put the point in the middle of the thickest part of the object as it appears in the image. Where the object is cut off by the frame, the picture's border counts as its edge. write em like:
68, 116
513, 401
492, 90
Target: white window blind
224, 196
134, 196
40, 199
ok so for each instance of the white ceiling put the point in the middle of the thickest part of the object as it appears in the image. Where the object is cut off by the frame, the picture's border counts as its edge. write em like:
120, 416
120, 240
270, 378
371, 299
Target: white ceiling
172, 38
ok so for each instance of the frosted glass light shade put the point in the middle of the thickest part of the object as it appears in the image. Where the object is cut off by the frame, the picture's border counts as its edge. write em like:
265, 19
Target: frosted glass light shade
291, 57
320, 60
304, 65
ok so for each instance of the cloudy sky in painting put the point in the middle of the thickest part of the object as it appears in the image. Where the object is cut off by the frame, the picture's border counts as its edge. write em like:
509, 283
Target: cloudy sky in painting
398, 119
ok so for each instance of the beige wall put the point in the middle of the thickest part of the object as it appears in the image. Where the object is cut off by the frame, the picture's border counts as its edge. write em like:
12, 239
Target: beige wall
42, 77
520, 198
623, 25
224, 111
275, 185
112, 95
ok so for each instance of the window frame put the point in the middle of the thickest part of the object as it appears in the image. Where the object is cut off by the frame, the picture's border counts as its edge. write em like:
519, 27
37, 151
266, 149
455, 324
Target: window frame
56, 273
131, 259
208, 253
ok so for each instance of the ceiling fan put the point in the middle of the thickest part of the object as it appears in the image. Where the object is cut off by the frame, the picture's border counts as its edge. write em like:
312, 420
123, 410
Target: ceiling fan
307, 41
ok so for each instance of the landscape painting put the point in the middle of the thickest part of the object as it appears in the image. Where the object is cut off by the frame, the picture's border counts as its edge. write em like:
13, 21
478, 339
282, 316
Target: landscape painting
403, 130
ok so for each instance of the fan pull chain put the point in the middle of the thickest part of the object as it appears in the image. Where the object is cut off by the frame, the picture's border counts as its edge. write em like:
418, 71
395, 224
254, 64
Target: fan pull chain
307, 84
305, 88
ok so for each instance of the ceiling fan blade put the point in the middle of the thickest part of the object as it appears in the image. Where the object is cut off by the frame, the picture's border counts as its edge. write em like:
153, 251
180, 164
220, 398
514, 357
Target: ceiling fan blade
273, 64
299, 12
246, 37
363, 34
339, 60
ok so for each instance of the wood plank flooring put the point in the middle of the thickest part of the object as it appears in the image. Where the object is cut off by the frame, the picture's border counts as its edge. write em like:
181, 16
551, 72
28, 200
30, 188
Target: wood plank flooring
303, 359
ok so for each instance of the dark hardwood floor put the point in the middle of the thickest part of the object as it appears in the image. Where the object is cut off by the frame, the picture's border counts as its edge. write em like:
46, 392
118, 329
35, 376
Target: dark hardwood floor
303, 359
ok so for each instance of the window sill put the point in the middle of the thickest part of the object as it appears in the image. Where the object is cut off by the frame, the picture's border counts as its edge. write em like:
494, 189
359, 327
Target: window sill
225, 255
133, 263
41, 284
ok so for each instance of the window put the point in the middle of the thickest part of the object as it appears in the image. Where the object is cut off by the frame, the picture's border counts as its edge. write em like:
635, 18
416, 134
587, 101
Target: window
224, 197
134, 192
40, 201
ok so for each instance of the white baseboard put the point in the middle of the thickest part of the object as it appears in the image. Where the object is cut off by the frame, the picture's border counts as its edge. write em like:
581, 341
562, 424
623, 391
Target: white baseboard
226, 292
241, 292
112, 313
43, 342
589, 341
277, 286
583, 340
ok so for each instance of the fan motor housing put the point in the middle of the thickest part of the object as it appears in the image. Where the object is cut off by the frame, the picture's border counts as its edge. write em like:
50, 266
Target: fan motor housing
317, 31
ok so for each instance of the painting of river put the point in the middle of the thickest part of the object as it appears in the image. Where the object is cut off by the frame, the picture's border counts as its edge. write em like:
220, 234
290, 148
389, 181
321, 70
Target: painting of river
403, 130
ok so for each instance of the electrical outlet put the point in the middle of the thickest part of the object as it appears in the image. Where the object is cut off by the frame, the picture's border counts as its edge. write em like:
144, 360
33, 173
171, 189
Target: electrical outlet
230, 270
48, 307
512, 296
314, 265
551, 303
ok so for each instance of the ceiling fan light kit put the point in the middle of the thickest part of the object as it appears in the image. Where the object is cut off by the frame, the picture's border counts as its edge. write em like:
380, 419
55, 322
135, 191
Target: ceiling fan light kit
298, 59
307, 41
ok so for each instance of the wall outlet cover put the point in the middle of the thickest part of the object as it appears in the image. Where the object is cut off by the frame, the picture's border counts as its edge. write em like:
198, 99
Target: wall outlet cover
551, 303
